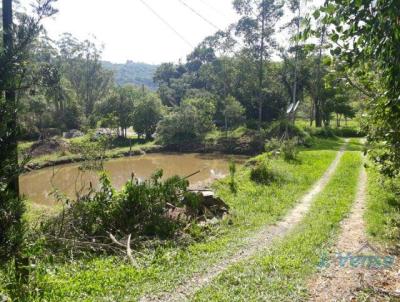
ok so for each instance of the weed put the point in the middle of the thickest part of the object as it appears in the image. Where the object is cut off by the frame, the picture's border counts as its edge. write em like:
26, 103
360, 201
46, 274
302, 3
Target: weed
289, 150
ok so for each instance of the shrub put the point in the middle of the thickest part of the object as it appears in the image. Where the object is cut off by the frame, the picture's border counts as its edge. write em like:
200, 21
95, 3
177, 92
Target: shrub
279, 128
273, 146
289, 150
138, 209
324, 132
92, 149
262, 172
348, 132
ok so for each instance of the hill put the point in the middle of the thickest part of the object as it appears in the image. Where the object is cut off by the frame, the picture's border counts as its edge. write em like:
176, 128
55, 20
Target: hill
133, 73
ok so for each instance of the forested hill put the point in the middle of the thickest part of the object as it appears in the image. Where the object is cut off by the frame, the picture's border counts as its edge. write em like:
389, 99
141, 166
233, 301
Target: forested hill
133, 73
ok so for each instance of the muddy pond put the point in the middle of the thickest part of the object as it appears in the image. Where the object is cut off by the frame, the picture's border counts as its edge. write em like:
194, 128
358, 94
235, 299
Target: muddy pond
69, 179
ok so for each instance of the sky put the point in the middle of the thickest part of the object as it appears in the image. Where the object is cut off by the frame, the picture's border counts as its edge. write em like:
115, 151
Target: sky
130, 29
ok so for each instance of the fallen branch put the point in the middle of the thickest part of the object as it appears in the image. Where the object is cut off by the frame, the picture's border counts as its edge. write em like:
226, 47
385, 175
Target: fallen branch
127, 246
129, 251
190, 175
84, 244
114, 240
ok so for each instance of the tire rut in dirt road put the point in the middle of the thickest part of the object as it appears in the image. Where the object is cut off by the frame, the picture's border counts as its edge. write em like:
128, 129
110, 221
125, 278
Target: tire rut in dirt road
337, 283
260, 241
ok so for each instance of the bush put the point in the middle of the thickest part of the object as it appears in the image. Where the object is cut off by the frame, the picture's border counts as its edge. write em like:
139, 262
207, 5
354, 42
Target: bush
273, 146
92, 149
289, 150
262, 172
348, 132
138, 209
324, 132
279, 128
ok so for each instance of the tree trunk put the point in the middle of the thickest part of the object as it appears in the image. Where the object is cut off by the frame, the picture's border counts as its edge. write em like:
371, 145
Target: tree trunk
10, 95
318, 115
294, 100
261, 71
11, 141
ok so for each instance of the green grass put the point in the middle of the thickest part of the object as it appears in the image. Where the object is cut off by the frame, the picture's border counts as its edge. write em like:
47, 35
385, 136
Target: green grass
353, 123
235, 133
111, 279
281, 273
334, 143
355, 144
382, 215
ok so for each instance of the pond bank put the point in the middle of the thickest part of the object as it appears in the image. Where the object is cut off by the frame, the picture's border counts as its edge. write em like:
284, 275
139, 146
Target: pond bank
72, 181
226, 146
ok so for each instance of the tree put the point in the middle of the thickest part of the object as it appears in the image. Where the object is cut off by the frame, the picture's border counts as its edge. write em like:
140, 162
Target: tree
14, 60
187, 124
233, 112
82, 67
147, 114
366, 35
120, 104
171, 83
256, 27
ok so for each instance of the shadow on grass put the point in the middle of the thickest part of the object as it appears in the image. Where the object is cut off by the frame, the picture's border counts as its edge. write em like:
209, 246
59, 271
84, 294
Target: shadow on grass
325, 144
355, 145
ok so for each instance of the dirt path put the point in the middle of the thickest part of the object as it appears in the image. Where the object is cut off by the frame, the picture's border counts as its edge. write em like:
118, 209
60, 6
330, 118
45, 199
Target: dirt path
254, 244
344, 280
339, 281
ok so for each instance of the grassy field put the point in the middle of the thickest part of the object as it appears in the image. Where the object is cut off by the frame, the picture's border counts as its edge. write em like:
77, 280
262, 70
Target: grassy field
281, 273
161, 267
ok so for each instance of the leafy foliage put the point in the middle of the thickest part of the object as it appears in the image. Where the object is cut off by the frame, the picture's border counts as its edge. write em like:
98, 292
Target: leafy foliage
289, 149
188, 123
148, 112
262, 172
139, 209
15, 52
376, 26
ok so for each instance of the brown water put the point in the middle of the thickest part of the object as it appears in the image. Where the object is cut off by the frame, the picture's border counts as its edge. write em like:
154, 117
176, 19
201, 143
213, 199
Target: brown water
38, 185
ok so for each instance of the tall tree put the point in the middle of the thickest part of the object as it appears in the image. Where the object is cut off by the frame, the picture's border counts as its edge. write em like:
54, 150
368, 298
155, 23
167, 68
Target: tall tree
83, 69
257, 27
14, 62
10, 113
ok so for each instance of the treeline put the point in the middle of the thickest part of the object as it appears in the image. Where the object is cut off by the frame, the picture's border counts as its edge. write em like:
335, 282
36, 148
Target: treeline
229, 79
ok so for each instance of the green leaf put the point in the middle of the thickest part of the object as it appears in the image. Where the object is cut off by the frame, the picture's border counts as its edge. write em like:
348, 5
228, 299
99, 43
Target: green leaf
316, 14
334, 37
